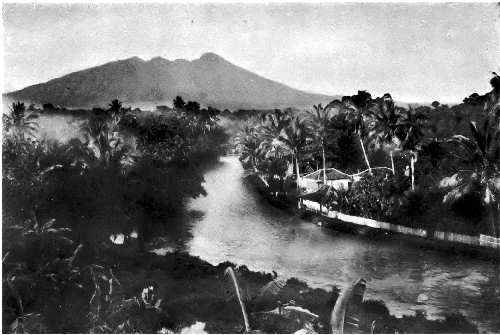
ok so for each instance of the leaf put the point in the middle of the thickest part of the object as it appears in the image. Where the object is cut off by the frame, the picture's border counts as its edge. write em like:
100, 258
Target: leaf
14, 325
229, 272
58, 230
75, 253
271, 288
303, 312
489, 197
5, 256
452, 181
340, 308
65, 239
48, 224
457, 193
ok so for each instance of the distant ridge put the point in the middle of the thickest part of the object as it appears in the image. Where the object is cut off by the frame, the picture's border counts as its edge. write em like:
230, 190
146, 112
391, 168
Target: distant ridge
210, 80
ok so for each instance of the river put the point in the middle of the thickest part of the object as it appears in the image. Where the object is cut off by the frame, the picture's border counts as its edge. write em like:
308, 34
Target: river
236, 225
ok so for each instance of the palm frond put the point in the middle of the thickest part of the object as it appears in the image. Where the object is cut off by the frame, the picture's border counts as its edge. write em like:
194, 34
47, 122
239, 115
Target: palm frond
272, 288
229, 272
339, 311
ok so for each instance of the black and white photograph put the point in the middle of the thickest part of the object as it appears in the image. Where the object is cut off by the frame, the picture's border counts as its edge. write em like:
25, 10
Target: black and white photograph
262, 167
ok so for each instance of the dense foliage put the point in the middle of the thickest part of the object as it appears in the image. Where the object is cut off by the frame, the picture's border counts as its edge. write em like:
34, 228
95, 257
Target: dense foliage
126, 175
445, 161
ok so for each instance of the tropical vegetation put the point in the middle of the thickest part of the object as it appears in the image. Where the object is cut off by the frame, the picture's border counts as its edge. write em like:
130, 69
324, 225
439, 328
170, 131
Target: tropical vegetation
66, 206
443, 159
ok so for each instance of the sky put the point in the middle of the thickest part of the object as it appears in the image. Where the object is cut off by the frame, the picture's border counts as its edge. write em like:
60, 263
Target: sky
416, 52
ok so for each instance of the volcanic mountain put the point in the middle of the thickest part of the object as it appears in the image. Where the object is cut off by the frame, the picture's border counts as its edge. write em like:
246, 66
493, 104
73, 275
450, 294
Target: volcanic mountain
211, 80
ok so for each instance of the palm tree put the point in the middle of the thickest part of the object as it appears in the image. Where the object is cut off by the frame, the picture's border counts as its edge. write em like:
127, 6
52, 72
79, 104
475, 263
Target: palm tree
293, 138
356, 108
248, 144
115, 107
320, 121
409, 131
270, 128
480, 158
17, 120
383, 130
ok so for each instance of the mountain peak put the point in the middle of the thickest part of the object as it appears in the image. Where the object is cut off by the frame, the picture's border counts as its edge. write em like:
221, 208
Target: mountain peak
135, 59
159, 60
211, 57
211, 80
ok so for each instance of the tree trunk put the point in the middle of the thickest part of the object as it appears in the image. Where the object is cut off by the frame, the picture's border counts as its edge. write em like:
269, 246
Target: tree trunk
494, 216
298, 173
289, 168
392, 163
232, 275
324, 164
412, 170
364, 154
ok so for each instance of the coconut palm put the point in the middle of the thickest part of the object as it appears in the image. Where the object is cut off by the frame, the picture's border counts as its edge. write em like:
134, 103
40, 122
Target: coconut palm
356, 108
479, 157
293, 139
319, 123
248, 143
20, 123
270, 129
115, 107
386, 121
409, 131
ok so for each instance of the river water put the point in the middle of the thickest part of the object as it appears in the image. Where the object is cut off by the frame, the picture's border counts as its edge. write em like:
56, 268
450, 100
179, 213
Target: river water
236, 225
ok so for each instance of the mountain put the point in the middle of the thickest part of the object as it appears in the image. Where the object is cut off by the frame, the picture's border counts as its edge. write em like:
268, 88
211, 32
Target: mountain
210, 80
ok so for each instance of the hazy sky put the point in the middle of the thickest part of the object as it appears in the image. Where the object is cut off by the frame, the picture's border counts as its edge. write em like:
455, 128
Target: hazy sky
417, 52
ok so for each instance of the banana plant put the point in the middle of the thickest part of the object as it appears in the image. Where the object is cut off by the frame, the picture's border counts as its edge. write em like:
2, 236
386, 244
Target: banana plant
337, 319
239, 294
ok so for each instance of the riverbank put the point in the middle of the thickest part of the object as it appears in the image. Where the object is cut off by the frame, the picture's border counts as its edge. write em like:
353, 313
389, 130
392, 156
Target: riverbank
284, 200
481, 245
191, 290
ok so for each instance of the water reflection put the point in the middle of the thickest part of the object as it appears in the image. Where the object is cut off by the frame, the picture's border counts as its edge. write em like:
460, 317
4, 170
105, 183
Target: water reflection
239, 226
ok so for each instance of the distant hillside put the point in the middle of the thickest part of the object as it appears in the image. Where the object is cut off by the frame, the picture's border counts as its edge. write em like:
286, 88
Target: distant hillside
210, 80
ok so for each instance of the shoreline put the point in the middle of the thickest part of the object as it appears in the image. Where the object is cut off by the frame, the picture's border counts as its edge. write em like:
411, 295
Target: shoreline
192, 290
444, 241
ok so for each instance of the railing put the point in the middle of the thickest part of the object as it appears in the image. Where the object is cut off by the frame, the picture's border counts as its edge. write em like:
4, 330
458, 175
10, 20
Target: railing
318, 173
481, 240
489, 241
368, 170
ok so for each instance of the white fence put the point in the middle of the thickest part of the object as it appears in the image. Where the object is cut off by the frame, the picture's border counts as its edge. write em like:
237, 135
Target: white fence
459, 238
481, 240
489, 241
